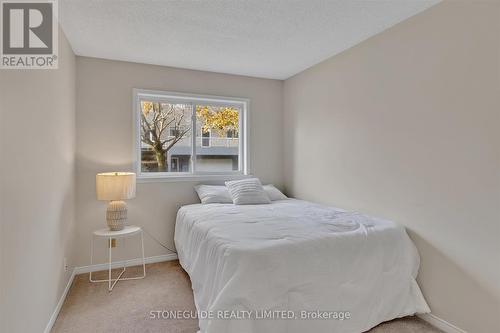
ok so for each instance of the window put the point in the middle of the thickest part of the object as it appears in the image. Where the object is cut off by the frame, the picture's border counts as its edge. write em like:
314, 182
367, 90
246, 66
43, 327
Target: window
230, 133
205, 138
180, 135
176, 131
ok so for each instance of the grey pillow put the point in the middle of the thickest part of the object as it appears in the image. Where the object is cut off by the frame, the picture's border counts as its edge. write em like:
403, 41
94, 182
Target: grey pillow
247, 192
273, 193
213, 194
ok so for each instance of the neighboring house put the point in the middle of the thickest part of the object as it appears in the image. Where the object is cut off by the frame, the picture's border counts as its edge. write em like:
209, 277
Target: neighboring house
214, 152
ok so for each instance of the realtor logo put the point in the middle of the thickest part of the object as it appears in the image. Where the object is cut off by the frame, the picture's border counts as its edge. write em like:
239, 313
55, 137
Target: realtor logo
29, 34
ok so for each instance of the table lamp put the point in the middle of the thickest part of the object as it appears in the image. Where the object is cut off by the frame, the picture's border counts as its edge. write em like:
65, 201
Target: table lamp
115, 187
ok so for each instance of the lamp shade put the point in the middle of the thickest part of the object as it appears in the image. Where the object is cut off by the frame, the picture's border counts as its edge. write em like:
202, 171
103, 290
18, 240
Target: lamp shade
115, 185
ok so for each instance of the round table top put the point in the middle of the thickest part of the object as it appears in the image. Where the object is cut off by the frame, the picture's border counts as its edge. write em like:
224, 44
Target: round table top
126, 231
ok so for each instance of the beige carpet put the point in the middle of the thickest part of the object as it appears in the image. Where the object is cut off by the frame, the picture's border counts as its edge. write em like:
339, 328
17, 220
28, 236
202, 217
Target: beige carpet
89, 307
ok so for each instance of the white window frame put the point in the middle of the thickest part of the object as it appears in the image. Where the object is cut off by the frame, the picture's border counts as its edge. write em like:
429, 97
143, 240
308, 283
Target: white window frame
155, 95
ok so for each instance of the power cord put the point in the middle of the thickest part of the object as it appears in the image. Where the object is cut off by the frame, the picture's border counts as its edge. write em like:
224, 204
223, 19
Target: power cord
156, 240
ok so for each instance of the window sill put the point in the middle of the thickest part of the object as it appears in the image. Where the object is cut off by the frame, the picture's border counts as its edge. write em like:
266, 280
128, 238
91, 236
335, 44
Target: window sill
142, 179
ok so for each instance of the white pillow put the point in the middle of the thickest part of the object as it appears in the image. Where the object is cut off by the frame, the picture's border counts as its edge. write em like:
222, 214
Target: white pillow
247, 192
273, 193
213, 194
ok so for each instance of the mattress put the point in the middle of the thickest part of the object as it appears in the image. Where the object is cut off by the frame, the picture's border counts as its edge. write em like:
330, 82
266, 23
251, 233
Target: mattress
295, 266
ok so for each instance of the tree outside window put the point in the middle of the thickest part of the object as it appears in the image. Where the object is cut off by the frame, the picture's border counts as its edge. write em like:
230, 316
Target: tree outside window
166, 132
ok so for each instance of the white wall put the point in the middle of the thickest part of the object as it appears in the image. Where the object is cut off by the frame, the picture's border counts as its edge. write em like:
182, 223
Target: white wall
37, 131
406, 125
104, 141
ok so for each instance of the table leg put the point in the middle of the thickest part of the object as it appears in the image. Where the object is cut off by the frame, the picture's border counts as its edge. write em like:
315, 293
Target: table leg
91, 256
143, 259
113, 282
109, 271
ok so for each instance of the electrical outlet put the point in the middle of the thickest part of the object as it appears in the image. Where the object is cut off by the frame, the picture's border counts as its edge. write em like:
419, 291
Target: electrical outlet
65, 264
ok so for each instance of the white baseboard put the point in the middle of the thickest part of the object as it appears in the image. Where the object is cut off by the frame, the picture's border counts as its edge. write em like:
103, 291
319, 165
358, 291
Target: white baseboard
442, 324
128, 263
59, 305
101, 267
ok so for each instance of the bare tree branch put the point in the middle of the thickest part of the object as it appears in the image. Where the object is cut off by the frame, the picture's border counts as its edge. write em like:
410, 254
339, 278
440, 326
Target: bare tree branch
176, 139
154, 124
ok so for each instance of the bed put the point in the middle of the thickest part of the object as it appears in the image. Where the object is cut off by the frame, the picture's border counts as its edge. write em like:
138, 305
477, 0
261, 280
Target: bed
295, 266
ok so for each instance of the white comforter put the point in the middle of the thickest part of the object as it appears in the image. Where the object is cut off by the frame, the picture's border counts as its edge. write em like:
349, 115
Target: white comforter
297, 256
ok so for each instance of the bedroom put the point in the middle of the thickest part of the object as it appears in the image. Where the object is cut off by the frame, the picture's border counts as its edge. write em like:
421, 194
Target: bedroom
379, 121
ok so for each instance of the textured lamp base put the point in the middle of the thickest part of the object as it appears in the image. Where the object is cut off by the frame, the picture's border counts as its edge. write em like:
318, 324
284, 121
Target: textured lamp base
116, 215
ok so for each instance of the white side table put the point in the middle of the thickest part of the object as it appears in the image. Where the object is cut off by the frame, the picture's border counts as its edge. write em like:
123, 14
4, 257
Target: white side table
109, 235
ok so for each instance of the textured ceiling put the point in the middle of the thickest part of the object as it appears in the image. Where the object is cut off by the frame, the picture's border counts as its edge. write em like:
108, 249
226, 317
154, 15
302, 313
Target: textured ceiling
262, 38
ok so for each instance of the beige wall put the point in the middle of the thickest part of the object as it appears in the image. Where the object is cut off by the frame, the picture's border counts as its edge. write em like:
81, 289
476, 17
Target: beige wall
37, 130
104, 142
406, 125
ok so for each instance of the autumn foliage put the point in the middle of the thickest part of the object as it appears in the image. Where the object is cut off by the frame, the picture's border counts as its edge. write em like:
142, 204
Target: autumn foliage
220, 119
